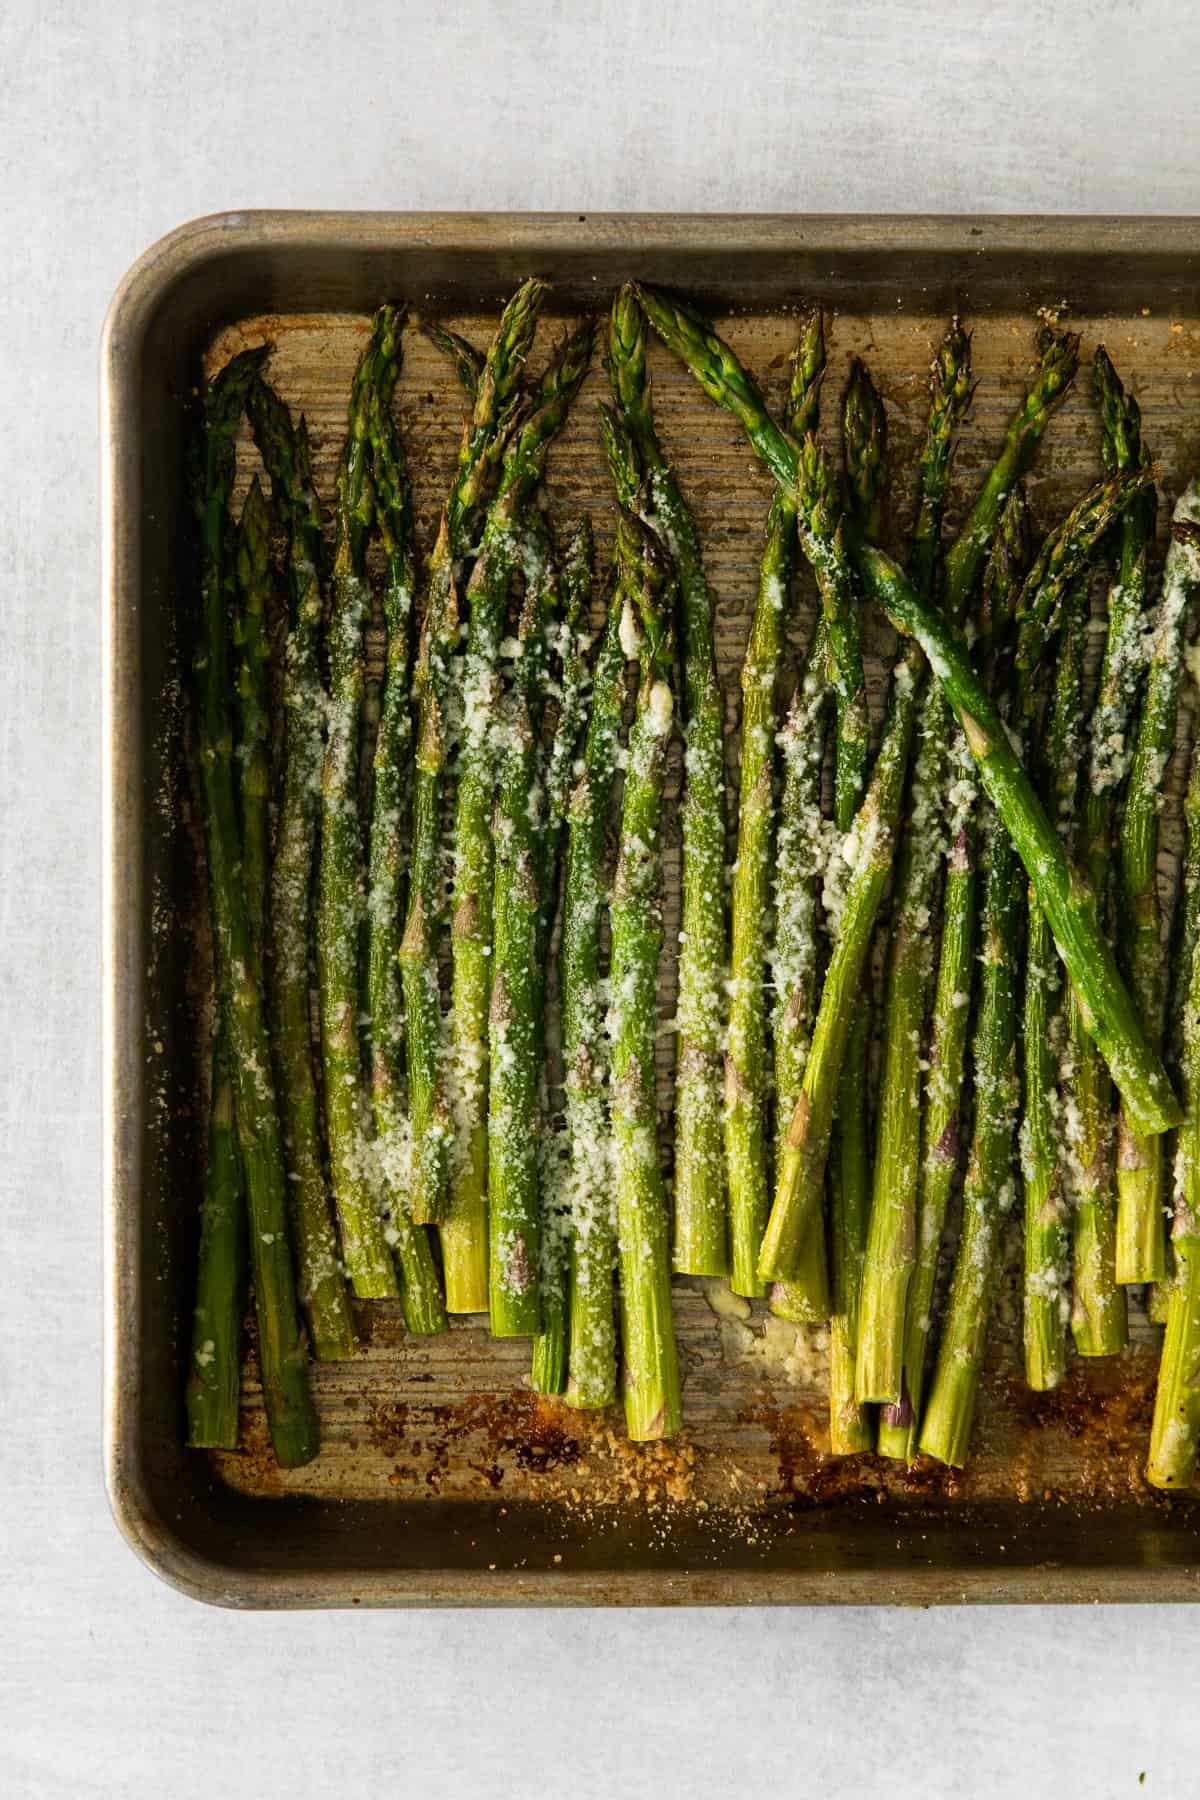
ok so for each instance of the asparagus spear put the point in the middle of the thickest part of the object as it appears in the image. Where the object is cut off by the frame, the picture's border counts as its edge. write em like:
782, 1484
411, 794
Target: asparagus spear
1046, 1240
514, 1225
851, 1425
340, 892
745, 1056
808, 1295
950, 393
892, 1243
940, 1128
285, 453
464, 1238
823, 539
944, 1088
800, 863
214, 1371
1141, 1246
591, 1359
467, 361
254, 586
1098, 1318
799, 1179
573, 647
428, 1101
1175, 1432
700, 1243
988, 1192
420, 1291
1045, 1235
282, 1352
1185, 933
891, 1248
213, 1383
550, 1347
851, 1428
650, 1367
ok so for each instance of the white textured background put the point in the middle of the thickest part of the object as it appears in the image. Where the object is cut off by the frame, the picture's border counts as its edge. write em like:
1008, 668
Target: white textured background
116, 123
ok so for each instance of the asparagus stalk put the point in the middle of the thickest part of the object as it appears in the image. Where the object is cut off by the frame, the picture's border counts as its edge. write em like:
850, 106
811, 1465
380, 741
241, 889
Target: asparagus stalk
340, 891
466, 360
650, 1366
851, 1428
1141, 1245
940, 1141
1048, 1298
950, 392
591, 1358
214, 1371
514, 1223
1042, 1166
282, 1351
1185, 934
891, 1248
322, 1285
823, 539
988, 1191
254, 586
213, 1384
851, 1425
464, 1236
1045, 1204
745, 1056
496, 394
803, 852
551, 1346
941, 1125
420, 1291
805, 1144
700, 1240
1175, 1432
801, 858
892, 1244
800, 1176
573, 648
1098, 1318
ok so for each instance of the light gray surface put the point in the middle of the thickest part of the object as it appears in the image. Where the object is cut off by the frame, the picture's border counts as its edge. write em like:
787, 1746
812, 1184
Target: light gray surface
117, 123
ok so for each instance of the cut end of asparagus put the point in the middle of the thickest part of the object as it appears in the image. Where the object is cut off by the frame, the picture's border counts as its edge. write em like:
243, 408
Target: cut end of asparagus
879, 1369
950, 1416
465, 1262
897, 1436
1141, 1242
1175, 1433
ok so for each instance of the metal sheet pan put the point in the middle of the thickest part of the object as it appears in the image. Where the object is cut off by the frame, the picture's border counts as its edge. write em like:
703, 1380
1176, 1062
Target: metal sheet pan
442, 1479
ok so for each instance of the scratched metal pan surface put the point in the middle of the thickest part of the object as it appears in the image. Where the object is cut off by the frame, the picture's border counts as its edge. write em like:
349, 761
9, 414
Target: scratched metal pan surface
441, 1479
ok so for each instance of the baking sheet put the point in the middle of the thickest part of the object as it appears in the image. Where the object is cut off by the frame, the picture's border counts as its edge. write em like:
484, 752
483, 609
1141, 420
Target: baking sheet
441, 1475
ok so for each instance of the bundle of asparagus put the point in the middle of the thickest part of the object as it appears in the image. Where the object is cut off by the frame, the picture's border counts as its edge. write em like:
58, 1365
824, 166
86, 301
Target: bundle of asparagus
424, 1121
1109, 1034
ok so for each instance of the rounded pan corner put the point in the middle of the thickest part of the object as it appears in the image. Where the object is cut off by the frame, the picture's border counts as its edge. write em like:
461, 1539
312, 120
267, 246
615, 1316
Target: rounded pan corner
161, 1547
162, 263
